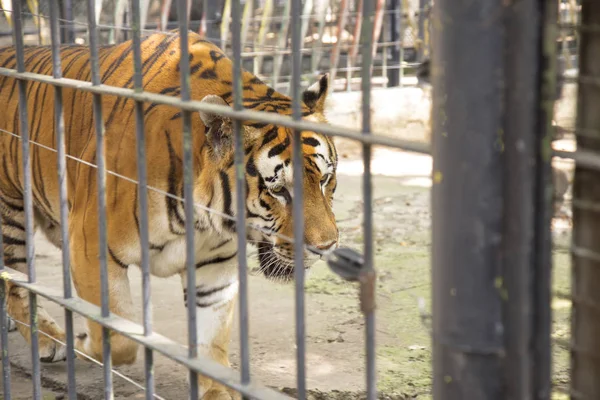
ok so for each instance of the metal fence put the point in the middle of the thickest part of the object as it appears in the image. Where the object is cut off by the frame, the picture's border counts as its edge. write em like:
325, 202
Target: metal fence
400, 34
351, 265
494, 68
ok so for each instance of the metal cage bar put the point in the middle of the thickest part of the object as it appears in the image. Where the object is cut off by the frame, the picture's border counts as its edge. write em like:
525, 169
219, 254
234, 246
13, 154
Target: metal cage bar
190, 263
240, 188
368, 288
298, 196
466, 200
151, 341
4, 323
101, 187
64, 212
159, 343
28, 198
143, 197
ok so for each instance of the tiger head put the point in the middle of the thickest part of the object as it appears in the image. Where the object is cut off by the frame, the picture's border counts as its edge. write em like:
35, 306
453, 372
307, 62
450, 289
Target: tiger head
269, 181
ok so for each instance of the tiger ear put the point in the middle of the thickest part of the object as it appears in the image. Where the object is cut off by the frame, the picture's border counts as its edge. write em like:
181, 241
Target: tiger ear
218, 129
314, 97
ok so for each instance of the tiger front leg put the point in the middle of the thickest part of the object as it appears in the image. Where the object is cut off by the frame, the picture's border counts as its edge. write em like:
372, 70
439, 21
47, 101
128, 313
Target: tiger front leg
50, 335
215, 299
86, 277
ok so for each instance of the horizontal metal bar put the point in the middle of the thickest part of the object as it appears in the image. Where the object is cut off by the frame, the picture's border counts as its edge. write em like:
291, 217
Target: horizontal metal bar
587, 254
582, 158
195, 105
161, 344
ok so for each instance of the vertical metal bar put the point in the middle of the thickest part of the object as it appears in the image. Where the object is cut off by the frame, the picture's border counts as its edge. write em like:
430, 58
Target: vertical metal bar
28, 198
585, 326
466, 200
394, 32
542, 360
67, 15
63, 200
366, 68
298, 203
101, 177
142, 194
184, 67
4, 338
240, 189
525, 259
4, 321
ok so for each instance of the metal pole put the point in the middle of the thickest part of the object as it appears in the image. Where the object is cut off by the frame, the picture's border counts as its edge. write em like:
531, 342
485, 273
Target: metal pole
27, 197
526, 241
142, 173
368, 289
63, 199
101, 187
393, 74
467, 99
585, 328
240, 191
298, 205
542, 285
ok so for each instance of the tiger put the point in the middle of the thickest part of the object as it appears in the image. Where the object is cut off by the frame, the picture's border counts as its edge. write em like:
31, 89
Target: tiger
267, 170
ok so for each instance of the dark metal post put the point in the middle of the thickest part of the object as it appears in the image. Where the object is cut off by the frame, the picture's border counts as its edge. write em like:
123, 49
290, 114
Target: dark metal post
395, 32
542, 285
466, 200
585, 380
526, 244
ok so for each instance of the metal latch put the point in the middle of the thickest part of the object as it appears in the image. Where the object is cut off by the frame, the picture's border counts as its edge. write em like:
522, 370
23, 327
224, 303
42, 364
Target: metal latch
350, 265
